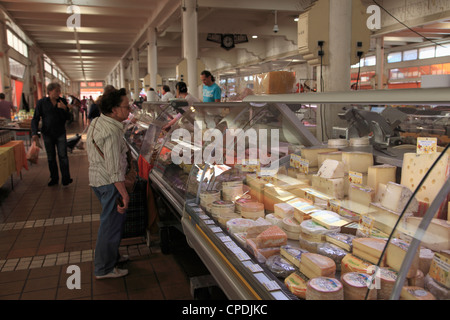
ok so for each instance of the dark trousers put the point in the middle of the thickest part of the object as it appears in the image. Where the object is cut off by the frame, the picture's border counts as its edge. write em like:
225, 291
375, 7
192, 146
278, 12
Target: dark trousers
57, 146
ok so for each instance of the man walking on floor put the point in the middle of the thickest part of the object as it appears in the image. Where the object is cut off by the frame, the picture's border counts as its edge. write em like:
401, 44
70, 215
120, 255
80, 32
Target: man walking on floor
54, 113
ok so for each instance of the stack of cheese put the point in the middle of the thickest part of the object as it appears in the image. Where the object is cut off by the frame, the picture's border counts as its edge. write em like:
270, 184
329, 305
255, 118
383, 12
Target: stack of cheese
302, 208
314, 265
222, 207
267, 243
329, 219
388, 277
337, 143
380, 174
394, 197
232, 190
208, 197
437, 280
324, 288
259, 225
274, 220
395, 254
356, 285
238, 203
292, 254
369, 249
283, 210
291, 227
252, 210
330, 179
311, 155
414, 168
333, 252
256, 186
312, 235
274, 195
351, 263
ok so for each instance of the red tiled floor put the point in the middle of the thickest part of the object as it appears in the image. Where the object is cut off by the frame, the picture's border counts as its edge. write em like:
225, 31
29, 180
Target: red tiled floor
152, 275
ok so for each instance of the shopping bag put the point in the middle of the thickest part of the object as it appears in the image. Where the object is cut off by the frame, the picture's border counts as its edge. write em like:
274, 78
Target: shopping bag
33, 153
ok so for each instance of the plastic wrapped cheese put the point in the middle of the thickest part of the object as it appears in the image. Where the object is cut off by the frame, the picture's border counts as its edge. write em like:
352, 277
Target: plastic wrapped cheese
324, 288
261, 254
274, 220
279, 266
291, 225
292, 254
219, 207
239, 225
345, 241
271, 237
225, 217
296, 283
232, 190
439, 291
315, 265
333, 252
252, 210
258, 226
356, 285
312, 231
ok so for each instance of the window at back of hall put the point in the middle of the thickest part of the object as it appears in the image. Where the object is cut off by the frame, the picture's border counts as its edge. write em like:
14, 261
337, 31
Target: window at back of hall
426, 53
410, 55
394, 57
442, 51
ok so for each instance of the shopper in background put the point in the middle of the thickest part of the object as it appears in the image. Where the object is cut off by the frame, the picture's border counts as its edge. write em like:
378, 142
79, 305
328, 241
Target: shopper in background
107, 156
211, 91
94, 110
182, 93
152, 95
166, 94
6, 107
54, 112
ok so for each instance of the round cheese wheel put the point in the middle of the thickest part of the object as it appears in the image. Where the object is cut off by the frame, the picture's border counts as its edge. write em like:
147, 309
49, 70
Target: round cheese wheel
337, 143
274, 220
252, 210
415, 293
356, 285
387, 282
219, 207
239, 225
324, 288
291, 225
357, 142
439, 291
241, 201
209, 196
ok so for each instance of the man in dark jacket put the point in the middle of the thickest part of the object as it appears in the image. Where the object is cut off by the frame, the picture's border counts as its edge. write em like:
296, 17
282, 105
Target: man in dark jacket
54, 113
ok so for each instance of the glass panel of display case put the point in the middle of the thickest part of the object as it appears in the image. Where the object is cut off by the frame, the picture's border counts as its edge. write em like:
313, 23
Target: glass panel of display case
190, 136
357, 204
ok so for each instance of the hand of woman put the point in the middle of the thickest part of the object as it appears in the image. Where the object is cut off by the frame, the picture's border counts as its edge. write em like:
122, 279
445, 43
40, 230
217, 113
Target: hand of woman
122, 205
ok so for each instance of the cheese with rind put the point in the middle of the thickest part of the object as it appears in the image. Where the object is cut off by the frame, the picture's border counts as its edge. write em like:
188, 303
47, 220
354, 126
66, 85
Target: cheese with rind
415, 293
356, 285
292, 254
380, 174
395, 254
296, 283
332, 187
361, 194
397, 197
324, 288
271, 237
315, 265
310, 154
357, 161
331, 169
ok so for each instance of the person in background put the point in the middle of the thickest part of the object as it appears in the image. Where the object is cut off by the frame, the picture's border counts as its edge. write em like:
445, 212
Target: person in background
152, 95
54, 112
182, 93
6, 107
211, 91
94, 110
166, 94
107, 156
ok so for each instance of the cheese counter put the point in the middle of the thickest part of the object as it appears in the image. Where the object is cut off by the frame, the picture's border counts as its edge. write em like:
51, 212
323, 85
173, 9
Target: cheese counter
275, 214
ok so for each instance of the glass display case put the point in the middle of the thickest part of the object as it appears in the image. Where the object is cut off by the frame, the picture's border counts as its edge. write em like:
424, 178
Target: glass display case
275, 214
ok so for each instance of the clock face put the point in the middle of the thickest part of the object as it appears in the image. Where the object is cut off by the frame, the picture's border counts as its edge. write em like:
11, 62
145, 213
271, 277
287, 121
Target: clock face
228, 41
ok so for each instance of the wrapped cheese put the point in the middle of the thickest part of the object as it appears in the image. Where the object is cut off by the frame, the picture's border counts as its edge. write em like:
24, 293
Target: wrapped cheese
356, 285
333, 252
296, 283
261, 254
252, 210
271, 237
324, 288
292, 254
257, 227
345, 241
274, 220
279, 266
219, 207
239, 225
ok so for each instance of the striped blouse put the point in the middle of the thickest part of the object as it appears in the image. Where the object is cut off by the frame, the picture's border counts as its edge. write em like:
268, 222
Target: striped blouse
108, 135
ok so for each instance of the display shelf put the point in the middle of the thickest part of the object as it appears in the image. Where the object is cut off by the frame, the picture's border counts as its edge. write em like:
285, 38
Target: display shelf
310, 193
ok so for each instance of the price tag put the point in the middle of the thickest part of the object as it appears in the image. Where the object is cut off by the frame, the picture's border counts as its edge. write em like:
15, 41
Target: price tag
426, 145
295, 161
209, 221
304, 166
226, 239
355, 177
254, 267
203, 216
271, 285
216, 229
366, 225
251, 165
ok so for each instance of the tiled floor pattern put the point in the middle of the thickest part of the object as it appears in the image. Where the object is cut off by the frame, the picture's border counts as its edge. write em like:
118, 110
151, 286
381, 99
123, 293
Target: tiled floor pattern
44, 230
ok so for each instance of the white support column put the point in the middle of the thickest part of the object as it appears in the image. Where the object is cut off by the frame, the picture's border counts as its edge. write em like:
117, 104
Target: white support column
4, 62
190, 43
337, 74
152, 62
121, 74
135, 71
380, 63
